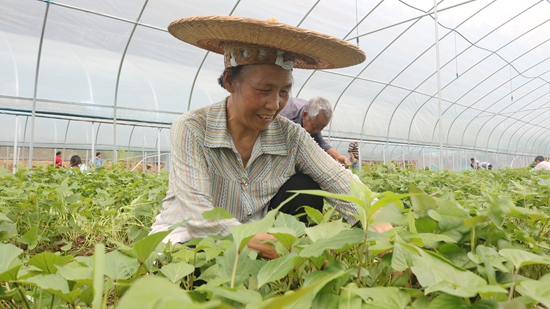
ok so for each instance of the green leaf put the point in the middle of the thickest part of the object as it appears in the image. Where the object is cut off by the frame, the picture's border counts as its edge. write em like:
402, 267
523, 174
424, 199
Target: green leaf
276, 269
341, 240
325, 230
521, 258
285, 236
244, 232
326, 194
423, 302
46, 261
348, 299
513, 304
51, 282
303, 296
430, 237
75, 272
144, 247
538, 290
287, 221
217, 214
315, 215
8, 254
387, 198
4, 217
119, 266
383, 297
153, 292
176, 271
402, 256
452, 302
447, 302
421, 202
31, 237
239, 295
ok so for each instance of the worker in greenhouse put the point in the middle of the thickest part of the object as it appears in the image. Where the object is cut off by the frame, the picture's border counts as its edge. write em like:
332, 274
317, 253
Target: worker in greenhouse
475, 164
353, 150
57, 161
313, 115
541, 164
239, 154
97, 161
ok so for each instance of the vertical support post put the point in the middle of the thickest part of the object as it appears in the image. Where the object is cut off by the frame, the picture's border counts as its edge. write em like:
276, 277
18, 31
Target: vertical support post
33, 115
438, 87
15, 140
93, 141
158, 150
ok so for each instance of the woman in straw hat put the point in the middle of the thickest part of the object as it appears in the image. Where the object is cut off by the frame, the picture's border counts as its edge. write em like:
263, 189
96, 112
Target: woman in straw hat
239, 154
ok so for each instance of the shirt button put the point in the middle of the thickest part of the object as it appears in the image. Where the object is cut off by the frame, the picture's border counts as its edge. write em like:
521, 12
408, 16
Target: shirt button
249, 215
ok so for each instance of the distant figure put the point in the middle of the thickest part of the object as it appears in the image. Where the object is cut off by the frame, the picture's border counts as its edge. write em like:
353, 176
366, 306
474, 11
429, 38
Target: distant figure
541, 164
97, 162
76, 162
475, 164
313, 115
57, 162
353, 150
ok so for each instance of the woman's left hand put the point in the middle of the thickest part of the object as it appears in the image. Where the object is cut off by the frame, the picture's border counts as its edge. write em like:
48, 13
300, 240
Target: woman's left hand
258, 243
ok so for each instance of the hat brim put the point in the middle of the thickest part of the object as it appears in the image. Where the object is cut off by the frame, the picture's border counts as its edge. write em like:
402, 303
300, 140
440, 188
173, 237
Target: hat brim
314, 50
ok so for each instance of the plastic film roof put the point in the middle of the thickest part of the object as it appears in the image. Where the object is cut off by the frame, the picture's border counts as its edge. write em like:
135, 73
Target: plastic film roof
106, 59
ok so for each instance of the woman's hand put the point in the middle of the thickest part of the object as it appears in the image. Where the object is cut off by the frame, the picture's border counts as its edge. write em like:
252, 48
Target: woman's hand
258, 243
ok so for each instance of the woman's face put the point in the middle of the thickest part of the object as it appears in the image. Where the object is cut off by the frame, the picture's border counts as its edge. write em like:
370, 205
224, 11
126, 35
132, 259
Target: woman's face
259, 96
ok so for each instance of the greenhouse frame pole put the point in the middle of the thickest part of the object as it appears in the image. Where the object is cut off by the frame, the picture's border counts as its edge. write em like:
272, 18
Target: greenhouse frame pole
158, 150
438, 88
15, 139
33, 116
119, 73
93, 140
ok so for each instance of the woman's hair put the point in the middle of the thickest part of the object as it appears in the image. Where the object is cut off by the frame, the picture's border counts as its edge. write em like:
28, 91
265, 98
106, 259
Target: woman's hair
75, 160
58, 153
237, 74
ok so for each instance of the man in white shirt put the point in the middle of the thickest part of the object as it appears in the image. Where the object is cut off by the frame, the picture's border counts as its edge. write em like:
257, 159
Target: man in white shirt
541, 164
475, 164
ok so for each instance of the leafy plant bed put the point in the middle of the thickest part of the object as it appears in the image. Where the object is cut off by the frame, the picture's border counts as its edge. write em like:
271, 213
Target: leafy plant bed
460, 240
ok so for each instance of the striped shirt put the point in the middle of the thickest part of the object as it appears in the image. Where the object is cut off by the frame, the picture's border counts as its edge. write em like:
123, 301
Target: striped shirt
206, 171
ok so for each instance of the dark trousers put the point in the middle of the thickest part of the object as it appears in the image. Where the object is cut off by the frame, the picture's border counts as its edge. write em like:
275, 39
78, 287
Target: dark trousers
295, 206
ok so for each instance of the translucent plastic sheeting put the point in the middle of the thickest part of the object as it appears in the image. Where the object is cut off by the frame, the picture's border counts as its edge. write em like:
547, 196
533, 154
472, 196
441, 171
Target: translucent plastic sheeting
98, 61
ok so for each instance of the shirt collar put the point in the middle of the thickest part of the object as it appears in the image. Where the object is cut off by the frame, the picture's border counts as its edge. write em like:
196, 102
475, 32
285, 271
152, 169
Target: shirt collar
272, 140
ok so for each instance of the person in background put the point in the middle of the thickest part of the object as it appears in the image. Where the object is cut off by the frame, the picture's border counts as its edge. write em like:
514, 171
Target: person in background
353, 150
57, 161
475, 164
541, 164
76, 162
313, 115
97, 162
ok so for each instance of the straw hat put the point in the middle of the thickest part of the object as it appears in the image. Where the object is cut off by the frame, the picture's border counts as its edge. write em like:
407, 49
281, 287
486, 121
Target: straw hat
253, 41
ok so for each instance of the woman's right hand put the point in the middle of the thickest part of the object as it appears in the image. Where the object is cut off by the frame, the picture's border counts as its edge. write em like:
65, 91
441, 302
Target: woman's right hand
258, 243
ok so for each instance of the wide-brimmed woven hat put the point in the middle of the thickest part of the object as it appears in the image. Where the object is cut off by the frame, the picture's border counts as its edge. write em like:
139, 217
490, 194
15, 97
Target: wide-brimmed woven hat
248, 41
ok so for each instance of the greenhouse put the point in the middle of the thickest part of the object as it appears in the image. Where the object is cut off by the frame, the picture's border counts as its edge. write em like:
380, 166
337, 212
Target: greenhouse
416, 177
106, 75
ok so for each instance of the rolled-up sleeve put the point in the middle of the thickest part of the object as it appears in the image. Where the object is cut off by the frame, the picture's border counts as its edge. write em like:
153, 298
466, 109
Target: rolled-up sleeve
189, 193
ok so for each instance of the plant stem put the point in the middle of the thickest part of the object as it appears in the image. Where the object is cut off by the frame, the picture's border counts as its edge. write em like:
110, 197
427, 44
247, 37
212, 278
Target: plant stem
513, 284
23, 296
361, 257
234, 274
